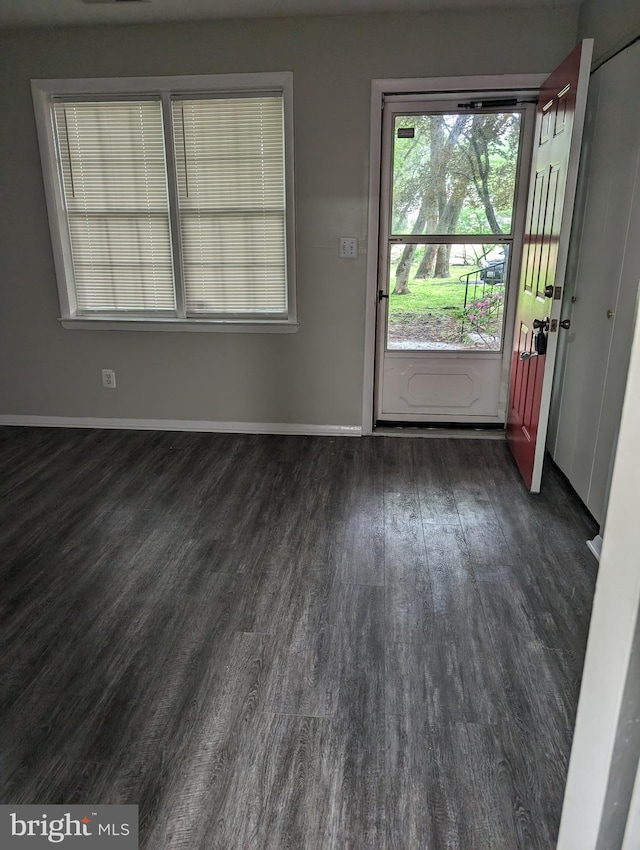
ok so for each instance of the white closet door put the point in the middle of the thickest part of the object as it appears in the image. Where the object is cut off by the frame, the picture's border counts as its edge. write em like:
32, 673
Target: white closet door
606, 258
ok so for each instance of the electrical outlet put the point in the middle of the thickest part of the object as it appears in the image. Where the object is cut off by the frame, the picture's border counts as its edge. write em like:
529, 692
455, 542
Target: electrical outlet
109, 379
348, 248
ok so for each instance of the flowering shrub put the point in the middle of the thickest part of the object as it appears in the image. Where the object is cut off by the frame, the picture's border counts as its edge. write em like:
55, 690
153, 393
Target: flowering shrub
482, 318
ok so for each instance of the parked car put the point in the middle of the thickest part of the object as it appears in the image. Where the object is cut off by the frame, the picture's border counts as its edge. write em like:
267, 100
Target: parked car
493, 271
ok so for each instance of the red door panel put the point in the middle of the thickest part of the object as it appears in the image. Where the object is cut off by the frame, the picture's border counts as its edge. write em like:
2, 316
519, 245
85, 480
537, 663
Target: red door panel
560, 118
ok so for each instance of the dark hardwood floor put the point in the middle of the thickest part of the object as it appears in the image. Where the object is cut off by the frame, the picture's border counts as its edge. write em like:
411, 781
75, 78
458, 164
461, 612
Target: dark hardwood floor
290, 642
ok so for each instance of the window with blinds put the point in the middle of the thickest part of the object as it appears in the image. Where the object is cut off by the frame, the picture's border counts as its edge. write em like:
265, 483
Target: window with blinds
231, 204
114, 180
172, 205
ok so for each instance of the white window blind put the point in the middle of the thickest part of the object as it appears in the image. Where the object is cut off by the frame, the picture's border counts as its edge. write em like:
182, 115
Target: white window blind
114, 179
231, 197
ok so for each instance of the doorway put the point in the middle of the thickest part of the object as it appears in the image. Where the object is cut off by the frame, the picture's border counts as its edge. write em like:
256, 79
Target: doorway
451, 207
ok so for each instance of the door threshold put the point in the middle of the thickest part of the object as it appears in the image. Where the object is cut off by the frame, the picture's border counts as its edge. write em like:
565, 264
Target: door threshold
464, 432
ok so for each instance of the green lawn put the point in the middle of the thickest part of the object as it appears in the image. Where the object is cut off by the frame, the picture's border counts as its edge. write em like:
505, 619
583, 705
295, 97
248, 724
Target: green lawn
431, 296
433, 311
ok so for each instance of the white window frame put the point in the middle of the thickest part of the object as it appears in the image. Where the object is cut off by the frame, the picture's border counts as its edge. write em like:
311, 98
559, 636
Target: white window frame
44, 92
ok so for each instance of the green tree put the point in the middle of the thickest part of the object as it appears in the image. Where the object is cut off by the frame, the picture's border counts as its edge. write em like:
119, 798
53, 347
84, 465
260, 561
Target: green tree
422, 187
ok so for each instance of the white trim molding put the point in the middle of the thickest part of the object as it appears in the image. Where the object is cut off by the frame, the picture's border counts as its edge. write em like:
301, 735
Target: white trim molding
181, 425
180, 325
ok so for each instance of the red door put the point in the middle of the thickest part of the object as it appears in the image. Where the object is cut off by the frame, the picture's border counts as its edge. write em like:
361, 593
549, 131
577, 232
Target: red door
554, 170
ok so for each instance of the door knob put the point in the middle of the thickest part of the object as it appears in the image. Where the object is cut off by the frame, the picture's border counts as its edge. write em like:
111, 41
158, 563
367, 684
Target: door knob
527, 355
541, 324
566, 324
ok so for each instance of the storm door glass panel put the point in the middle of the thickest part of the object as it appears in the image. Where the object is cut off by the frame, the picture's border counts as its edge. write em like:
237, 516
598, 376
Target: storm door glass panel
452, 209
462, 308
455, 173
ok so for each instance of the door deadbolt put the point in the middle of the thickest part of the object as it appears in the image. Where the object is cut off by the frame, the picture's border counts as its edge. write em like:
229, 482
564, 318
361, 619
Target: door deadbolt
381, 295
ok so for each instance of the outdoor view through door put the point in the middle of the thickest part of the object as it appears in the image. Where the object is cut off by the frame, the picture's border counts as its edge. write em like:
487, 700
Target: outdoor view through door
453, 190
448, 220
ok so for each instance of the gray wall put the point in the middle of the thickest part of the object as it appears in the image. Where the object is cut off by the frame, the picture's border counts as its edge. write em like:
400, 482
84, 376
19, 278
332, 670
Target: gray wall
314, 376
612, 23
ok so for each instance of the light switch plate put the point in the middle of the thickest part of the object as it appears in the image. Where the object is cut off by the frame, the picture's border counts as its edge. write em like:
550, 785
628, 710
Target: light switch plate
348, 248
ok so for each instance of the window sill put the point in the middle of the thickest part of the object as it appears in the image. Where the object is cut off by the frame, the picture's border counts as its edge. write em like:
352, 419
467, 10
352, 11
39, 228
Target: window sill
267, 326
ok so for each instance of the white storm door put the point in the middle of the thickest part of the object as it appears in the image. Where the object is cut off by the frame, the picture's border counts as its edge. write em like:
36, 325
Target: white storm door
450, 198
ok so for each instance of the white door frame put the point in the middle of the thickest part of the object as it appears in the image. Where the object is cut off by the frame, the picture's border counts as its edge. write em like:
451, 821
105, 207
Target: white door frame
380, 88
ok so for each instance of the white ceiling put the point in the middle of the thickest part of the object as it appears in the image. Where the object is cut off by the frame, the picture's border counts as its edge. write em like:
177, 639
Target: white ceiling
51, 12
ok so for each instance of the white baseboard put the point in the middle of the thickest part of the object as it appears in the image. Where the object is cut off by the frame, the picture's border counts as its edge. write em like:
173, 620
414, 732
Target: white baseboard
181, 425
